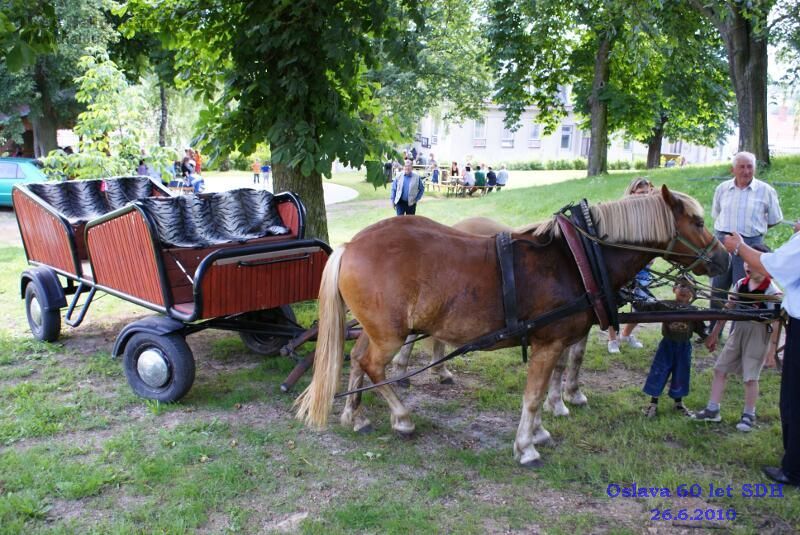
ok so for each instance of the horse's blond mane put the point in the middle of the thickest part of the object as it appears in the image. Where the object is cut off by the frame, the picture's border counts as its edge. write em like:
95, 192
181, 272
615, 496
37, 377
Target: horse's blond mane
622, 220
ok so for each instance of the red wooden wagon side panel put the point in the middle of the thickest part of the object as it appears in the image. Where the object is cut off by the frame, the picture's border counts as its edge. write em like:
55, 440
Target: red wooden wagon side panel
45, 235
124, 257
257, 282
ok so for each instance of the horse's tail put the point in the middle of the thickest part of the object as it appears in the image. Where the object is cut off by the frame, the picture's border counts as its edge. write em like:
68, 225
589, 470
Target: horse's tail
316, 402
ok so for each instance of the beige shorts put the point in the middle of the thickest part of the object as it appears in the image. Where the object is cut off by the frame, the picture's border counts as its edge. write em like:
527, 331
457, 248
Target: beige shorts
744, 351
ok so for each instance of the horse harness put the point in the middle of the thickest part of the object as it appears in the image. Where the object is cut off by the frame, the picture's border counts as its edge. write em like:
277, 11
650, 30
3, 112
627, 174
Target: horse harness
592, 267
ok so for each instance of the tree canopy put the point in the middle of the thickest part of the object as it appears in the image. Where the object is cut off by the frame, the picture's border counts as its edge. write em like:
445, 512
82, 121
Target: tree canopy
41, 73
320, 81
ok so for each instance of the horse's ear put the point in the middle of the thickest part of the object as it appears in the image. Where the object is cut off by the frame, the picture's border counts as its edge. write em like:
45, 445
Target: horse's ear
672, 201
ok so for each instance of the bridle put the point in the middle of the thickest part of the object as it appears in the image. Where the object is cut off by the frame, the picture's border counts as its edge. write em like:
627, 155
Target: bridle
700, 254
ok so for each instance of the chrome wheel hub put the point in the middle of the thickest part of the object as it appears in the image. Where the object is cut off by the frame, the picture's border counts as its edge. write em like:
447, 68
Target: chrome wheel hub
153, 368
36, 311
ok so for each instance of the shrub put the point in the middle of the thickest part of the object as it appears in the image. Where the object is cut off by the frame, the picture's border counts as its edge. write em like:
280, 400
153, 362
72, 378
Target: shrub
532, 165
580, 163
640, 164
559, 165
239, 161
619, 164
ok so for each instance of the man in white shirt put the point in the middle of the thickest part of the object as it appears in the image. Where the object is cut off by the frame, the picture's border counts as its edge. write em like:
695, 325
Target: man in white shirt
502, 177
747, 206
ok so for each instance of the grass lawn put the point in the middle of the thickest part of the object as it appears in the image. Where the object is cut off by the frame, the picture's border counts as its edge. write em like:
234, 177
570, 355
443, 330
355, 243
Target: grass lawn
79, 453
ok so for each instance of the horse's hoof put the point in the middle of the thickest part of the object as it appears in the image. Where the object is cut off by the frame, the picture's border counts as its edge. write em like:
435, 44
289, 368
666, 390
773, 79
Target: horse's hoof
405, 435
536, 463
541, 436
578, 399
365, 430
447, 381
403, 383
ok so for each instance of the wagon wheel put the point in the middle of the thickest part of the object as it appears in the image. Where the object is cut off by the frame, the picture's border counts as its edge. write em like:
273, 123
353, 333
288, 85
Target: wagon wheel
266, 344
44, 321
159, 367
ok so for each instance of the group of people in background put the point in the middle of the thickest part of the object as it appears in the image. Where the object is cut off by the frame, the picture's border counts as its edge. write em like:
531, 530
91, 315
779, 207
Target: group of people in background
408, 187
479, 176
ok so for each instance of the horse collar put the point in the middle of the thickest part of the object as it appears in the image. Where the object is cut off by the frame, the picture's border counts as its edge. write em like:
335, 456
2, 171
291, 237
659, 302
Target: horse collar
585, 269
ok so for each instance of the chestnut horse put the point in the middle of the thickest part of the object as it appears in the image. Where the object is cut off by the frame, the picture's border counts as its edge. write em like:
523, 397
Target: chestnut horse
570, 360
392, 278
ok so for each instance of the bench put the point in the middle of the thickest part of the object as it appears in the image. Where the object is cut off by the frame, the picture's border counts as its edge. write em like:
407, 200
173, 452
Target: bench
80, 201
210, 219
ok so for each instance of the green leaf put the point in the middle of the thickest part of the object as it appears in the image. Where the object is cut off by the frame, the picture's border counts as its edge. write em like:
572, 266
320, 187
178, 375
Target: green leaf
20, 56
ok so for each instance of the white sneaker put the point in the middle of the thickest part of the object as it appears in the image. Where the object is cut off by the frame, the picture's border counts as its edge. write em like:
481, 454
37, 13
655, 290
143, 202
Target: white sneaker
613, 346
632, 341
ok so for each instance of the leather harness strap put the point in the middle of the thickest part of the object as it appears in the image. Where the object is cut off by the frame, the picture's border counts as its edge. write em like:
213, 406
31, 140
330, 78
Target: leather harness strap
505, 259
592, 246
584, 268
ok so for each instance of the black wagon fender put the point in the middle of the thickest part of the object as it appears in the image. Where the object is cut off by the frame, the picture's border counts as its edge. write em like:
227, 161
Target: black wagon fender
46, 280
158, 325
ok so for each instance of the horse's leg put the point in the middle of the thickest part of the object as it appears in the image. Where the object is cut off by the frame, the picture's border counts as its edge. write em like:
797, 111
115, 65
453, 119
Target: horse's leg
354, 413
440, 370
373, 363
401, 360
553, 402
540, 368
572, 392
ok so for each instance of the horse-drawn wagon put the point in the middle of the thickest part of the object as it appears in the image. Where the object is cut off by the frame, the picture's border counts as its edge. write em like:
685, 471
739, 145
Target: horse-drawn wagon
232, 260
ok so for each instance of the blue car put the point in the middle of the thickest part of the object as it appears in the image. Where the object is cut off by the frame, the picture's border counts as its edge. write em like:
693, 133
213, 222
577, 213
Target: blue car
17, 171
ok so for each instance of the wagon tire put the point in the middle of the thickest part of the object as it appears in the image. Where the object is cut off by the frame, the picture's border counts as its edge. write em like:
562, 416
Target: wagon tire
269, 345
44, 321
159, 367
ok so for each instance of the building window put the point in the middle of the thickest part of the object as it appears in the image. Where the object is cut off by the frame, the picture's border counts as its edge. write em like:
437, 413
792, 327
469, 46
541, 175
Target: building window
627, 145
535, 136
479, 133
435, 134
566, 137
507, 139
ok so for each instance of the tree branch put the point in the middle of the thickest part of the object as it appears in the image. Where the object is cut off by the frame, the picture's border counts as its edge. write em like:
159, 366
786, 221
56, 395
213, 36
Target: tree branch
710, 13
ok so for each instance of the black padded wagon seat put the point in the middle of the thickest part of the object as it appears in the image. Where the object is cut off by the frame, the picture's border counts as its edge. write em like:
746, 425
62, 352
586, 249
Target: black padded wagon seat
80, 201
209, 219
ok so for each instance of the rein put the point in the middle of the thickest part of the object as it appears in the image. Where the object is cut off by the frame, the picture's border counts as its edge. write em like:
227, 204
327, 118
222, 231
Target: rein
488, 340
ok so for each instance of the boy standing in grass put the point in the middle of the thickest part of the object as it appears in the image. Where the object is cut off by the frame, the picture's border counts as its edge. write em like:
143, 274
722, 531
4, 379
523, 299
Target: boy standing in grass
745, 349
673, 357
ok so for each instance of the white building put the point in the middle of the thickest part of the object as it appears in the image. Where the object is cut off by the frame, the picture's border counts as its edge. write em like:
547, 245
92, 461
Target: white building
487, 140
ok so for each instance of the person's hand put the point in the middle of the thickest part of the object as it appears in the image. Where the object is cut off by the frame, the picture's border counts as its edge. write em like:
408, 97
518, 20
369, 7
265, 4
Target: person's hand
711, 342
732, 241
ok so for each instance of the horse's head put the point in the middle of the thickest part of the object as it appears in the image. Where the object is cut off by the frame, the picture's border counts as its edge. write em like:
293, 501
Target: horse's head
693, 244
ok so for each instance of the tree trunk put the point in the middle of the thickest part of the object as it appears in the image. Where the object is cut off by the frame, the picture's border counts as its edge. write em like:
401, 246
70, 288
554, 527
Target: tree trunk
654, 144
598, 145
45, 120
44, 135
162, 125
747, 61
309, 189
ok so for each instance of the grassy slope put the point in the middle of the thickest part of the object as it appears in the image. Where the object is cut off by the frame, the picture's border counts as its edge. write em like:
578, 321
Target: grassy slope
79, 453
